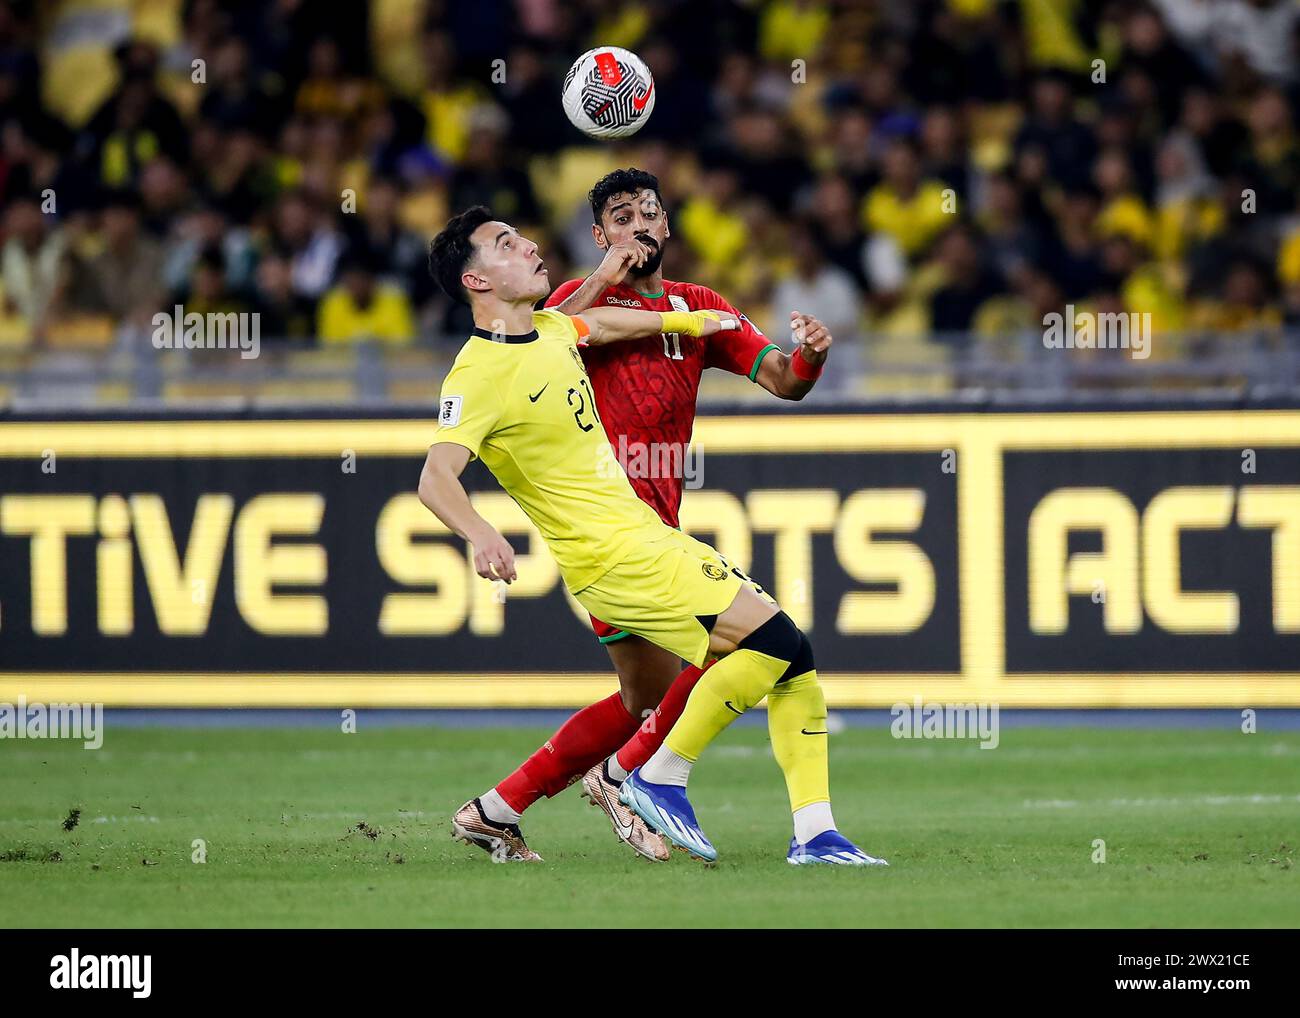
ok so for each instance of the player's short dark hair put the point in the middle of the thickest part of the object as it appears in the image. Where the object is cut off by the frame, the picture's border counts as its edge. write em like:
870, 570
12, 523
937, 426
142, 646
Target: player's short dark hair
628, 181
451, 250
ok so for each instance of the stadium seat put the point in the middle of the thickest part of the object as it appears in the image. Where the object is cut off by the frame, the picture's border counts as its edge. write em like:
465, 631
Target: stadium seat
413, 390
182, 392
318, 359
726, 387
290, 391
929, 363
82, 332
115, 393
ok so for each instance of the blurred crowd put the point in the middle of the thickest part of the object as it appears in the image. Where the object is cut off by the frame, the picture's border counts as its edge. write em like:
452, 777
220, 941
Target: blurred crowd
932, 173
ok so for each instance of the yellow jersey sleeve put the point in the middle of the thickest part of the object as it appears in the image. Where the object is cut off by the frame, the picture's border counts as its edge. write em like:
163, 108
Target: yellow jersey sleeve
470, 408
556, 323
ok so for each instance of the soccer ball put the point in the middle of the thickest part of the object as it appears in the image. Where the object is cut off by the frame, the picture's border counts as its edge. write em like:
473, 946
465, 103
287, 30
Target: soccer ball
608, 93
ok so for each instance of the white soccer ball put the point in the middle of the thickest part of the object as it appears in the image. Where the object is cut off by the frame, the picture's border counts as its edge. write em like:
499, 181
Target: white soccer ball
608, 93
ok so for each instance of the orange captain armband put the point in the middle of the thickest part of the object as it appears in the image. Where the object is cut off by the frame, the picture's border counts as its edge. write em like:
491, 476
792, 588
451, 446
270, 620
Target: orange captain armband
584, 330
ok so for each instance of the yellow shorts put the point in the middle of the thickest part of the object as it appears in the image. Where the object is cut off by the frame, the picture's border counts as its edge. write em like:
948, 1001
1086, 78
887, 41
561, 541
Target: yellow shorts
663, 588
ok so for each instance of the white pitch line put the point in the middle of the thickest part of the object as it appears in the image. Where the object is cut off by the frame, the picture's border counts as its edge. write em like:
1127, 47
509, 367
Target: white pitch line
1256, 799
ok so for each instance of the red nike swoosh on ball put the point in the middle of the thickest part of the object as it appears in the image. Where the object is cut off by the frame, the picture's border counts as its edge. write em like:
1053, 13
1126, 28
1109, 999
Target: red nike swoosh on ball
638, 102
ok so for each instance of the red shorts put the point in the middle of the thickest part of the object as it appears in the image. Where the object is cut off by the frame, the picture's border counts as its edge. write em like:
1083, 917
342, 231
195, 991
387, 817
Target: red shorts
606, 633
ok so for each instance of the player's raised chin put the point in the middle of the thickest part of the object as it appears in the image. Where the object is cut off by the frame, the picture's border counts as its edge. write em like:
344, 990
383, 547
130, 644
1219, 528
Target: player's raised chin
506, 264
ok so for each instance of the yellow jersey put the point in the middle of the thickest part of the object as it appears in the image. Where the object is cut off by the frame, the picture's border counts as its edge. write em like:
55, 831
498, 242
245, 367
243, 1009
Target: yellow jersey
524, 405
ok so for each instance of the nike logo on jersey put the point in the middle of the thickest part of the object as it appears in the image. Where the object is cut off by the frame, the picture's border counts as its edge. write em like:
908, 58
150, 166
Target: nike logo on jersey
534, 399
732, 709
806, 732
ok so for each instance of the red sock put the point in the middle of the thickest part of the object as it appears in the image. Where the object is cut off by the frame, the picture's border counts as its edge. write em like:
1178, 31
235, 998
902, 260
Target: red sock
583, 741
651, 735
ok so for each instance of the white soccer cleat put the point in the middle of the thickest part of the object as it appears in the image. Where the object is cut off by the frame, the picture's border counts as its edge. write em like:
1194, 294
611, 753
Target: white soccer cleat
602, 791
503, 842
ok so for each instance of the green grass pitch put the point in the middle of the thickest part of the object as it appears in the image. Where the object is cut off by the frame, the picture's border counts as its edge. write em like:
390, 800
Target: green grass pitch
1200, 829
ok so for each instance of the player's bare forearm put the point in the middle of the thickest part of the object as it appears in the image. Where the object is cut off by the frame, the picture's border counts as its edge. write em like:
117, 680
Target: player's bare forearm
613, 269
779, 373
583, 297
776, 375
611, 325
443, 495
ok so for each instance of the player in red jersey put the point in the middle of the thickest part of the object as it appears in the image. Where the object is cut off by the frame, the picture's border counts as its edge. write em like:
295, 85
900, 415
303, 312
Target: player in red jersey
645, 393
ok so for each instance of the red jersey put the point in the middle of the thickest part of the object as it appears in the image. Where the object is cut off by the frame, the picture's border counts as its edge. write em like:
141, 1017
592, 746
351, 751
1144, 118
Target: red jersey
646, 388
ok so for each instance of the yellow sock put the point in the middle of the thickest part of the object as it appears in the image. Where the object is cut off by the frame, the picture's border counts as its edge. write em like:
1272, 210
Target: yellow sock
796, 721
728, 689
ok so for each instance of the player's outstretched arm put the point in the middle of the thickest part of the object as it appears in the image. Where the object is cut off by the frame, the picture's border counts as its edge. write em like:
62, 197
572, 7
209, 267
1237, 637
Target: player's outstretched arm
610, 325
792, 376
444, 496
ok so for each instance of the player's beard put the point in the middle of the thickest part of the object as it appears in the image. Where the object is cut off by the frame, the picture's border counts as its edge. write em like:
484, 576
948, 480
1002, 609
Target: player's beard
652, 263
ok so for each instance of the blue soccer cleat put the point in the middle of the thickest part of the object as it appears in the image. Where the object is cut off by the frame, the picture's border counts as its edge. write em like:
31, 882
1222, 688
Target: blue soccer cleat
666, 809
830, 847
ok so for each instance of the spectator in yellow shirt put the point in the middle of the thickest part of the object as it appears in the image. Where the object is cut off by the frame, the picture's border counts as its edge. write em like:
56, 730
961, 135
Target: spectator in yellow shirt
712, 223
911, 210
359, 307
792, 28
1123, 211
1242, 307
329, 91
448, 101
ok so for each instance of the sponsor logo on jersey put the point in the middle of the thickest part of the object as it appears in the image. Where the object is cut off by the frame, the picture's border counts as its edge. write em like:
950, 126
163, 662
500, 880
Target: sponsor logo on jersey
628, 303
449, 414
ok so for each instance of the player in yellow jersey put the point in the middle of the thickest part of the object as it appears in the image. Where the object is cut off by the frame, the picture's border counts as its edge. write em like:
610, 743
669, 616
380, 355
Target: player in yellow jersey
518, 398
